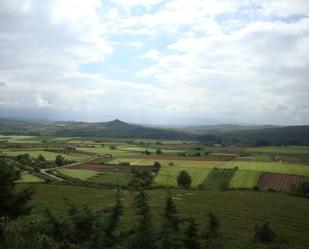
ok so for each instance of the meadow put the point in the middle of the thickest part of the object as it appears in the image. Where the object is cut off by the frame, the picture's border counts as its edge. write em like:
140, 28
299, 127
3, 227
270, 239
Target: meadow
238, 169
238, 211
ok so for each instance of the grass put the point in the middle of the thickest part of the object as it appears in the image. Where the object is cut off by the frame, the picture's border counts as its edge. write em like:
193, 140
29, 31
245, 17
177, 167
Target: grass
217, 177
50, 156
281, 149
108, 178
245, 179
167, 176
21, 139
78, 173
112, 178
107, 150
284, 168
238, 211
28, 178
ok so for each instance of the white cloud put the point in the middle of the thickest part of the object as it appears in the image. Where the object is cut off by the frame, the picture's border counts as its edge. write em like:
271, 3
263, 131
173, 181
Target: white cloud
225, 61
136, 44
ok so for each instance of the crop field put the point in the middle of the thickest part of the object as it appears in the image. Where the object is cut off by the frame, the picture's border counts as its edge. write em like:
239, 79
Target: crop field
245, 179
281, 149
29, 178
275, 167
106, 150
50, 156
108, 178
77, 173
238, 211
167, 176
20, 139
217, 177
279, 182
112, 178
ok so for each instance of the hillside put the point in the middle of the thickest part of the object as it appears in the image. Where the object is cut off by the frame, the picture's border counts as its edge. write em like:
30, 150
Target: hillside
230, 134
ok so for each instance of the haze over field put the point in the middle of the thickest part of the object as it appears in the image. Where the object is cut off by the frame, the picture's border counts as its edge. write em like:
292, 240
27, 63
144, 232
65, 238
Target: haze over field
157, 62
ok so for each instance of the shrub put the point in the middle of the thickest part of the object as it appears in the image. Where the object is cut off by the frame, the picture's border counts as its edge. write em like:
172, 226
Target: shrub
256, 188
159, 151
184, 179
59, 160
264, 233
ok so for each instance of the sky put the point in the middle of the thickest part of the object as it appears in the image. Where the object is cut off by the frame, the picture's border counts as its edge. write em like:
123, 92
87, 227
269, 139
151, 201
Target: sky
156, 61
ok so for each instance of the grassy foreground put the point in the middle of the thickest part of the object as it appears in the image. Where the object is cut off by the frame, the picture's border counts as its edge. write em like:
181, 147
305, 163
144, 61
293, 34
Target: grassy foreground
238, 210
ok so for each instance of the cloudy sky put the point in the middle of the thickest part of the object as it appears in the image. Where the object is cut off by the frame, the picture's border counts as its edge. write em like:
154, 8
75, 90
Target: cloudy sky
156, 61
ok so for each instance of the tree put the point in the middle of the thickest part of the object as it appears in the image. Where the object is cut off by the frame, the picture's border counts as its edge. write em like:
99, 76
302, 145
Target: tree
304, 188
113, 147
157, 166
184, 179
13, 203
170, 232
147, 152
264, 233
41, 158
211, 234
59, 160
191, 237
158, 151
142, 235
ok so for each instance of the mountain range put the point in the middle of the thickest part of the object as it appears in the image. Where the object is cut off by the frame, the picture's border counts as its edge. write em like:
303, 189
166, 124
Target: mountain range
228, 134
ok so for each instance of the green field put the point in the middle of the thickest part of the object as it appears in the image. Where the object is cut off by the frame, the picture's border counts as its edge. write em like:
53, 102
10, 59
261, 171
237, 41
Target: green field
281, 149
28, 178
217, 177
112, 178
285, 168
238, 211
78, 173
245, 179
50, 156
20, 139
167, 176
107, 150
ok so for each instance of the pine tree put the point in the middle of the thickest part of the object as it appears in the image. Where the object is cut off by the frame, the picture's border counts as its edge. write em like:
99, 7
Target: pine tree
190, 236
170, 232
143, 233
13, 203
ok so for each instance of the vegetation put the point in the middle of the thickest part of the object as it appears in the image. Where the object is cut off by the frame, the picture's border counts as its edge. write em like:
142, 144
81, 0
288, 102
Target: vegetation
184, 179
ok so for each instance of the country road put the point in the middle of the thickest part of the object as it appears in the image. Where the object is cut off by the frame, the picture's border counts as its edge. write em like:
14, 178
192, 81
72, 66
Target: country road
57, 178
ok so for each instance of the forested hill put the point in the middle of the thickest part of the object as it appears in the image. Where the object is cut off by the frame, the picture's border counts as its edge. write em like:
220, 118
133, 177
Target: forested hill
231, 134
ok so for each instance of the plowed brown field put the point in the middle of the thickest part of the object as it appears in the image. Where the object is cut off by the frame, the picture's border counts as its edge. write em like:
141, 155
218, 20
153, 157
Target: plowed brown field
279, 182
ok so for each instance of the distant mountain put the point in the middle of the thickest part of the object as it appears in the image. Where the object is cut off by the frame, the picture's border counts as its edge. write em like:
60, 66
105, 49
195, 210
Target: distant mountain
227, 134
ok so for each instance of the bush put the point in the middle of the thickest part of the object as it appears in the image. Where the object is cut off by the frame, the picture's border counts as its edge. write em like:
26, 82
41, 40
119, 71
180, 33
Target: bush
159, 151
184, 179
256, 188
147, 152
264, 233
59, 160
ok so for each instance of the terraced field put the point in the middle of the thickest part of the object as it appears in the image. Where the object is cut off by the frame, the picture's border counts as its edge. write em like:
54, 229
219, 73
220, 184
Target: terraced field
217, 177
245, 179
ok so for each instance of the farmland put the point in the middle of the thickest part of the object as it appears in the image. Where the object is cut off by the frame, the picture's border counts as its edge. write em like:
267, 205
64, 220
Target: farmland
105, 164
238, 210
